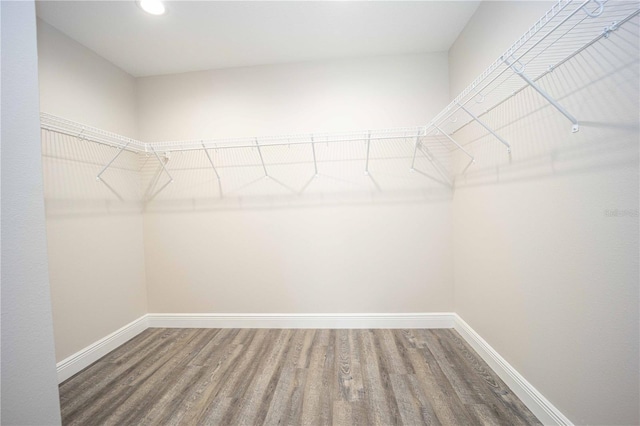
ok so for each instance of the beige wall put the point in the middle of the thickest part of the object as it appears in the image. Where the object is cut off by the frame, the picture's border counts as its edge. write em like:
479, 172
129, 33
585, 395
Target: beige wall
543, 271
334, 259
251, 251
325, 96
342, 246
94, 239
77, 84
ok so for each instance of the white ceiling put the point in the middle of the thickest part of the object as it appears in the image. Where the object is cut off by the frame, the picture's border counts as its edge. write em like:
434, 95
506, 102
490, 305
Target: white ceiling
195, 36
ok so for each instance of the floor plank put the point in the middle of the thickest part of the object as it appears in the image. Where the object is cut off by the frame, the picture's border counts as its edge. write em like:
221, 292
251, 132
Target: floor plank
282, 376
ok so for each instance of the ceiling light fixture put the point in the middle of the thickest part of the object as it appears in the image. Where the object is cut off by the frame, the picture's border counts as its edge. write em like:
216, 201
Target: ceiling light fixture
154, 7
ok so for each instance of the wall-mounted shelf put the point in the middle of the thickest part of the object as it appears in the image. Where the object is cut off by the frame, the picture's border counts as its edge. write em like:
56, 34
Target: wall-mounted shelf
372, 160
566, 30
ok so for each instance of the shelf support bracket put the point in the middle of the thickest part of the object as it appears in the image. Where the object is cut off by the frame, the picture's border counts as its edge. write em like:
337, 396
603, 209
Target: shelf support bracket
155, 180
264, 168
436, 165
315, 161
104, 169
460, 147
520, 72
162, 164
366, 166
489, 129
214, 169
415, 151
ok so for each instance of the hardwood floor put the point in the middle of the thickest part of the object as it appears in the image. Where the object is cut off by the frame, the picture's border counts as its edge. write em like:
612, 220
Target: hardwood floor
272, 376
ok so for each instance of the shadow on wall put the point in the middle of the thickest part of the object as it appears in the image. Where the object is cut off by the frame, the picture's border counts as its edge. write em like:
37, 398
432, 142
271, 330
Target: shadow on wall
599, 86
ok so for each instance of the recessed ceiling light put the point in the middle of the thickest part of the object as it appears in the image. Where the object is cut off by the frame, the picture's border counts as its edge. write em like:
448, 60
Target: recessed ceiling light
154, 7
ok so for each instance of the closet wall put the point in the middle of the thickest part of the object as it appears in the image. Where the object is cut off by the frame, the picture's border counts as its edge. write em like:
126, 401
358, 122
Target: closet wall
78, 84
94, 237
28, 379
546, 246
321, 96
370, 252
278, 256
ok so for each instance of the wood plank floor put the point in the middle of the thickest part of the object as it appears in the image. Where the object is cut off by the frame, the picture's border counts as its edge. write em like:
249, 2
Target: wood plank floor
272, 376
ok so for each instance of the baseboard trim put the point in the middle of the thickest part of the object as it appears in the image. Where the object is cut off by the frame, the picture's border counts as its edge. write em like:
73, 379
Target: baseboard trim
544, 410
87, 356
400, 320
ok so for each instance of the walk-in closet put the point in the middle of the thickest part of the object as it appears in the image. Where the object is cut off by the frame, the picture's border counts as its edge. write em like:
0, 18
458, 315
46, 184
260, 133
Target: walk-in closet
320, 212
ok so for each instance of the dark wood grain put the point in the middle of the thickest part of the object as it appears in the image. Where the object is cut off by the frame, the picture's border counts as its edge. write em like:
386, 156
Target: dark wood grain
291, 377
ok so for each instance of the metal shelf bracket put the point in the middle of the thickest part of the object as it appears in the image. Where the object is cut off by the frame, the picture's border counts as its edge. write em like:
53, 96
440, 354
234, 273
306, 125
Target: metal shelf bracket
366, 166
471, 158
264, 168
436, 165
489, 129
415, 151
315, 161
518, 68
104, 169
214, 169
155, 181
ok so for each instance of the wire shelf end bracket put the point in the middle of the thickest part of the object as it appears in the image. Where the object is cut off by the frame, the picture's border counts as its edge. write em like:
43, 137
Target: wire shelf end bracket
519, 69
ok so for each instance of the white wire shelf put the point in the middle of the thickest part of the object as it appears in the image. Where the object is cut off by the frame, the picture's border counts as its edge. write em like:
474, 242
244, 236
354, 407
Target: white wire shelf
567, 29
282, 140
382, 158
85, 132
93, 134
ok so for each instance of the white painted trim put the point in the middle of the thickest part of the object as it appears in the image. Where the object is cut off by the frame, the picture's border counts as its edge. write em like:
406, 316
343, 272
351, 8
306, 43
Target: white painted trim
400, 320
87, 356
544, 410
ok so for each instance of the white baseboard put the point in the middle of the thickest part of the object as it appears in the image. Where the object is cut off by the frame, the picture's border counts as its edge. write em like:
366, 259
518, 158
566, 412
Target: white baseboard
87, 356
401, 320
544, 410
